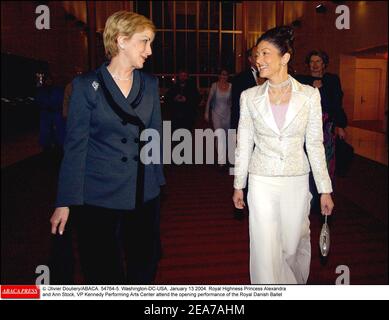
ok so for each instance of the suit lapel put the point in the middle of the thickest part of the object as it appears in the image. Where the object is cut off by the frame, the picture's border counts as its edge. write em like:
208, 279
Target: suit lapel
295, 104
262, 105
141, 103
116, 94
133, 104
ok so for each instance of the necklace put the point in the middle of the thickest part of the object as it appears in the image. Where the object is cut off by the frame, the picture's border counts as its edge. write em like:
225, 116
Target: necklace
122, 79
280, 85
278, 100
223, 86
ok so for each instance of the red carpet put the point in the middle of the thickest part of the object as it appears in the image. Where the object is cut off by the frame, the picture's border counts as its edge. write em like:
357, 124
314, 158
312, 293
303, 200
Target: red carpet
202, 243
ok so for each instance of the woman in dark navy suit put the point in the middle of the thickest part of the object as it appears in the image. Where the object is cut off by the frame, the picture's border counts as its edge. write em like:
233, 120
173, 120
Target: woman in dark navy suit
111, 195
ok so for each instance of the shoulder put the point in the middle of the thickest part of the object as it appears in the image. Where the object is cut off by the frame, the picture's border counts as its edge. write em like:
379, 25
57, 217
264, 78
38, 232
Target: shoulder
302, 78
251, 92
151, 82
331, 79
85, 81
149, 78
303, 89
331, 76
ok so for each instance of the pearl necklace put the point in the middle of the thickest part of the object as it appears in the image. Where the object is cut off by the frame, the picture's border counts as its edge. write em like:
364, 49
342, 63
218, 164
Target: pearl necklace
281, 96
280, 85
122, 79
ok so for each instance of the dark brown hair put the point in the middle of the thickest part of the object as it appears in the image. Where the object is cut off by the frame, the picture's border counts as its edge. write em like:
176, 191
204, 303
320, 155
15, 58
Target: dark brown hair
281, 37
323, 55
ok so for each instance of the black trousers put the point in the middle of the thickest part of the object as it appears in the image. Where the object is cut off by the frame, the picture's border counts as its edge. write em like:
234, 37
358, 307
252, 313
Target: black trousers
118, 246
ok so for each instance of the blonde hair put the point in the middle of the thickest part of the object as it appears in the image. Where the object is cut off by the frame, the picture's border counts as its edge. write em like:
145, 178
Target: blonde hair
123, 23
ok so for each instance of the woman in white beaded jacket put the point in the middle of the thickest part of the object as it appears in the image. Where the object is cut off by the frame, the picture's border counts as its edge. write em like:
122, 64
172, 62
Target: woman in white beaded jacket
276, 119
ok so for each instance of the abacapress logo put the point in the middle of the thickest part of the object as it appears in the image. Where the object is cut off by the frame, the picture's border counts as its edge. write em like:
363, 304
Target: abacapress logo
20, 292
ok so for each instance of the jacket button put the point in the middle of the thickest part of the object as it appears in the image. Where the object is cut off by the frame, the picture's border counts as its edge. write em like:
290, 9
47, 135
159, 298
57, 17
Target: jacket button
124, 122
124, 159
280, 138
124, 140
136, 140
136, 158
281, 158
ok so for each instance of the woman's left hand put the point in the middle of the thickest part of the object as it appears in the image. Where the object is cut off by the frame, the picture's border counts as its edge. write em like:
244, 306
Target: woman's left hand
326, 204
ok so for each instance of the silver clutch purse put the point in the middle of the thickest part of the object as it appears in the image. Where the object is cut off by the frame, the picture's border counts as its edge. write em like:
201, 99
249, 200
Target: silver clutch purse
324, 240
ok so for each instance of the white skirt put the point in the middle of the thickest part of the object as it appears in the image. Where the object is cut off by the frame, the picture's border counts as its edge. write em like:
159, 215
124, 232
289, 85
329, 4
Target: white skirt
280, 246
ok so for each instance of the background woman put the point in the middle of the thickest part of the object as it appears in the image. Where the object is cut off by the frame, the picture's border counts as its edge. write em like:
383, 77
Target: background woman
334, 117
219, 102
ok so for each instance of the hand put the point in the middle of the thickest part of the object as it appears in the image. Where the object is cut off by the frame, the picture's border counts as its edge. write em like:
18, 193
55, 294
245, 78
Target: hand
237, 198
59, 219
326, 204
206, 117
342, 133
317, 84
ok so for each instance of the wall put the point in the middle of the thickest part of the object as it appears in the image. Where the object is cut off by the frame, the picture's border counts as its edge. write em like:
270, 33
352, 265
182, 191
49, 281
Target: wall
368, 28
63, 46
348, 67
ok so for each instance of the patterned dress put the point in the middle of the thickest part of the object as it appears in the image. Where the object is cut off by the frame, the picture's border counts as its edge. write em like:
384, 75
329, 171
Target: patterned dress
329, 144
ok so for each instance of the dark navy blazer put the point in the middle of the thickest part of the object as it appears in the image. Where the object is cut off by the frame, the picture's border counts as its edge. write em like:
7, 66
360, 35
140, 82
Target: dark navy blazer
101, 158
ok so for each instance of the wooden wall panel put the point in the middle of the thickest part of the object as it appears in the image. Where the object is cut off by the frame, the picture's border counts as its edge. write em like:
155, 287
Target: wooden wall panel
63, 46
347, 74
368, 28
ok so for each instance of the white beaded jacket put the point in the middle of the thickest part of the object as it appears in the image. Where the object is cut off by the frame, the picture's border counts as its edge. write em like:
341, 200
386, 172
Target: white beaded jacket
262, 149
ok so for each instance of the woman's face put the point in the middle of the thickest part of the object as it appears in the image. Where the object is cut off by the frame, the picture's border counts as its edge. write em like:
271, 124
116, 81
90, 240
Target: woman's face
137, 48
223, 76
316, 65
269, 60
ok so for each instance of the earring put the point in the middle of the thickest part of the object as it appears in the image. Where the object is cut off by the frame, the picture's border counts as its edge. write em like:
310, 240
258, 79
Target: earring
121, 46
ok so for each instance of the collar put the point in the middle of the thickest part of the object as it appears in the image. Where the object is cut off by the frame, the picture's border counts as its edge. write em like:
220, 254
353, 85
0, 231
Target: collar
115, 90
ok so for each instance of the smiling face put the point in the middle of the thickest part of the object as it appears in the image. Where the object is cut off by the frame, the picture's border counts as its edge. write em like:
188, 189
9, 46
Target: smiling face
316, 65
137, 48
269, 60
